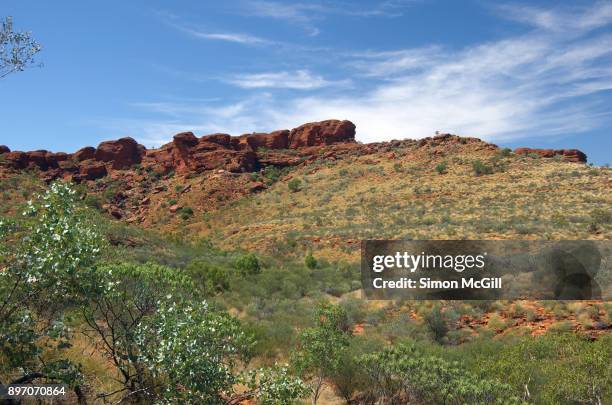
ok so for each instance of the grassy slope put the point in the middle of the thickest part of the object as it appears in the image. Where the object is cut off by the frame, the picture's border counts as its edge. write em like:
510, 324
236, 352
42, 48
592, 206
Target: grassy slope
378, 196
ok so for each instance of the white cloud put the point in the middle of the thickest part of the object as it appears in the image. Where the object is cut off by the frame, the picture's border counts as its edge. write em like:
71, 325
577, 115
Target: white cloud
228, 37
569, 20
194, 31
305, 14
299, 80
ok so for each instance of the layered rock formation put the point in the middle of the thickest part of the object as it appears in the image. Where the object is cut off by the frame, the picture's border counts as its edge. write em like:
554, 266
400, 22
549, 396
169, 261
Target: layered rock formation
245, 153
185, 154
568, 155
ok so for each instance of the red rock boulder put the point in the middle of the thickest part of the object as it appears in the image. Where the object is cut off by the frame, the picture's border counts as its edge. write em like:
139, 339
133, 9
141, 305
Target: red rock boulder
227, 159
219, 139
322, 133
273, 140
85, 153
185, 140
16, 159
92, 170
37, 158
122, 153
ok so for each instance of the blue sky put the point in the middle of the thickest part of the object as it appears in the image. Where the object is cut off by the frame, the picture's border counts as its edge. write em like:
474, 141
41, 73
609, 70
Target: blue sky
517, 74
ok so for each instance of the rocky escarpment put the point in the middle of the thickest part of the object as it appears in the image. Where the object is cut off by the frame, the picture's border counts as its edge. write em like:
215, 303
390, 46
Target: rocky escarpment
185, 154
189, 154
568, 155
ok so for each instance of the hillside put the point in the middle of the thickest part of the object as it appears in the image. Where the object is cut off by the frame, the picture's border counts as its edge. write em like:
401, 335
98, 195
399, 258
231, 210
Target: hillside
235, 190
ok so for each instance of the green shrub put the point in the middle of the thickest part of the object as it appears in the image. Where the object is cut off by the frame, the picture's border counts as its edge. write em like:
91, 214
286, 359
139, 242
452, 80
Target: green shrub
210, 278
441, 167
93, 201
294, 185
404, 371
505, 152
310, 260
248, 264
271, 175
437, 324
186, 213
481, 168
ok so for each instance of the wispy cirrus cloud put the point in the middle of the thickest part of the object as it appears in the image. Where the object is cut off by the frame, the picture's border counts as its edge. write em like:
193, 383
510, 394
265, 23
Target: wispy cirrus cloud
306, 14
297, 80
195, 31
542, 82
235, 37
570, 21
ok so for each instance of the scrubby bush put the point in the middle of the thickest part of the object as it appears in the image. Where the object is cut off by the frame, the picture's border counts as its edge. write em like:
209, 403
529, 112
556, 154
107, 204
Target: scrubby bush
193, 350
46, 259
248, 264
437, 324
480, 168
211, 279
310, 260
321, 347
271, 175
441, 167
406, 374
93, 201
294, 185
186, 213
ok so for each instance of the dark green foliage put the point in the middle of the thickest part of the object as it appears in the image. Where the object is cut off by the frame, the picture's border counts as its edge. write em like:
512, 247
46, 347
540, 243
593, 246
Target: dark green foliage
294, 185
93, 201
505, 152
271, 175
45, 264
211, 279
310, 260
480, 168
248, 264
437, 324
186, 213
321, 347
411, 375
441, 167
350, 377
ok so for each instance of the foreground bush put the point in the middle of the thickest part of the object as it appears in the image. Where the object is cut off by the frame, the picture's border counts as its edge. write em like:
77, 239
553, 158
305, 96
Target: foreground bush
45, 261
406, 374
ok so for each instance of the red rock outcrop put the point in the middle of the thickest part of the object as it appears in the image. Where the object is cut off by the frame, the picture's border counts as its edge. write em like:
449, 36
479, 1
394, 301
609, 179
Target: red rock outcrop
568, 155
188, 154
273, 140
220, 139
16, 159
85, 153
122, 153
322, 133
91, 170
